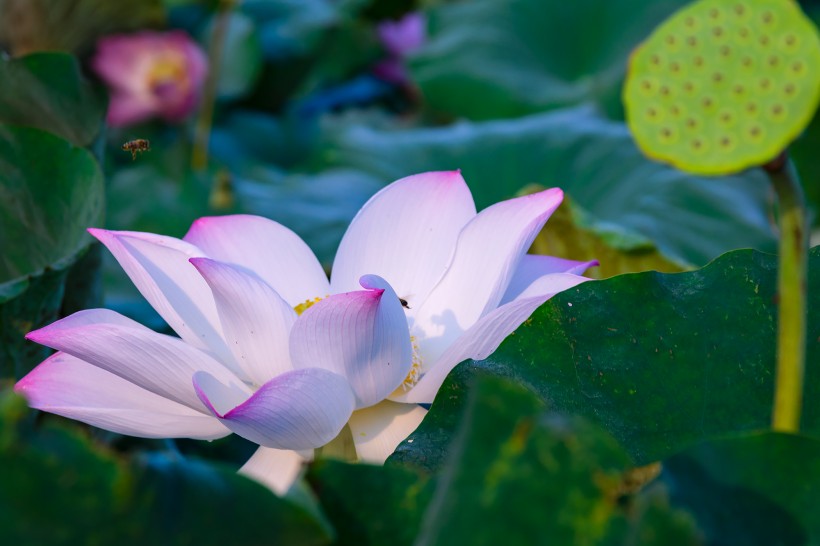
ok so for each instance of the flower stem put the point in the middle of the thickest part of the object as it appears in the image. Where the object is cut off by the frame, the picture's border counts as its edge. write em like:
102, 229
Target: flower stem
791, 290
202, 131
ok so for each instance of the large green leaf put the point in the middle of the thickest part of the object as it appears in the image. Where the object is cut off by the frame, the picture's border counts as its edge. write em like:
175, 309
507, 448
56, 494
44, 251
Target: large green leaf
495, 59
49, 91
753, 490
661, 361
371, 505
516, 475
58, 488
690, 219
50, 192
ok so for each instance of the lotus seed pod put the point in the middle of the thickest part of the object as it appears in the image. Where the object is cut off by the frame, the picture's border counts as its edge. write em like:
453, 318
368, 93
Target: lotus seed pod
723, 85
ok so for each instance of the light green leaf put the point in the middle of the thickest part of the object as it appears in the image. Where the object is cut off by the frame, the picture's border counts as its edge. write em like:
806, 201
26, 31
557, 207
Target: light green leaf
690, 219
48, 91
491, 59
241, 56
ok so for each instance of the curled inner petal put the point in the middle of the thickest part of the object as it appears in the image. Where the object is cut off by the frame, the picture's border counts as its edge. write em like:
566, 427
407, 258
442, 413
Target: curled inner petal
300, 409
361, 335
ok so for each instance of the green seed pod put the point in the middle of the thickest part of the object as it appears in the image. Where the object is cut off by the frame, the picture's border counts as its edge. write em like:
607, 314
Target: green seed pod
723, 85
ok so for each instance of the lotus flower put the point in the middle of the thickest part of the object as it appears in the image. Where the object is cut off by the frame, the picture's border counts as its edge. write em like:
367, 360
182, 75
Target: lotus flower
400, 39
271, 350
150, 74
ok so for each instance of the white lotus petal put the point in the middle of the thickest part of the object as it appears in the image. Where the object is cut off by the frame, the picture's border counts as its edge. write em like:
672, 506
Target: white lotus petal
267, 248
360, 335
406, 234
377, 430
300, 409
487, 255
161, 364
481, 340
159, 268
256, 321
276, 469
549, 285
532, 267
67, 386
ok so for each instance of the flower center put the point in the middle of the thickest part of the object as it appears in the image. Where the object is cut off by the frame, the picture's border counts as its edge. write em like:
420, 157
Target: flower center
168, 72
415, 367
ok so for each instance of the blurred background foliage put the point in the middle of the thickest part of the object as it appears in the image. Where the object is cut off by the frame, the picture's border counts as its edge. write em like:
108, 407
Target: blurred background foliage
519, 95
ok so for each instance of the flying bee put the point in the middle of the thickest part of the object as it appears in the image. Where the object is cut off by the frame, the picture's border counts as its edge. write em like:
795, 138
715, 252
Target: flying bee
139, 145
404, 303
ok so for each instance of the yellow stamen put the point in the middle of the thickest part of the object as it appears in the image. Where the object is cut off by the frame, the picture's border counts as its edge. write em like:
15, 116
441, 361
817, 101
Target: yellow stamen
415, 368
307, 304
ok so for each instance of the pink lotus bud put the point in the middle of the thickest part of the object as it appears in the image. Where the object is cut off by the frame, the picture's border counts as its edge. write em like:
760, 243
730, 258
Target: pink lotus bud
150, 74
403, 36
399, 39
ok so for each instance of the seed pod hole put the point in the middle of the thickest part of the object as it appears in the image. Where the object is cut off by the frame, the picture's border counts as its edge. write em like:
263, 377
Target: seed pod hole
725, 50
790, 40
789, 89
692, 41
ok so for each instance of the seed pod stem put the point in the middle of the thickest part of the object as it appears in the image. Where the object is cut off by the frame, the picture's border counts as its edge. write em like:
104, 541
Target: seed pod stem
791, 291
